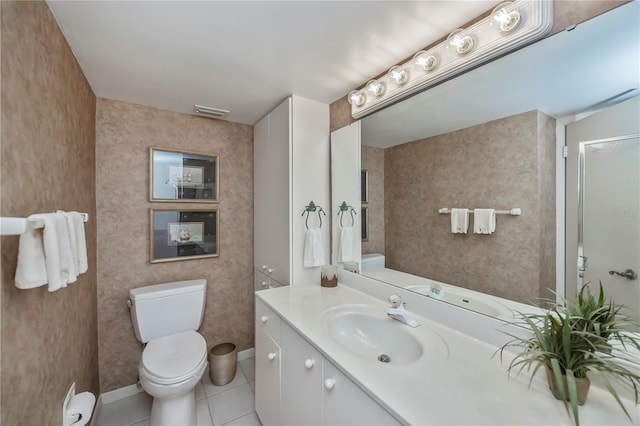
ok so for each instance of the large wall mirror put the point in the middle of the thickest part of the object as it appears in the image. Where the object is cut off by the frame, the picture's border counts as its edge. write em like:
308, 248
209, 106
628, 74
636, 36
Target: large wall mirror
487, 140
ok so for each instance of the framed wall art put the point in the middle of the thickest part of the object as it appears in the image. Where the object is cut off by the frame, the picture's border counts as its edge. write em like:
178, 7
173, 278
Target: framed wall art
364, 186
183, 234
364, 224
178, 176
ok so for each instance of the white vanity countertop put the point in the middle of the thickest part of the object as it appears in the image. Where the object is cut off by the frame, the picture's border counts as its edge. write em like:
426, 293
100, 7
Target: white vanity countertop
468, 387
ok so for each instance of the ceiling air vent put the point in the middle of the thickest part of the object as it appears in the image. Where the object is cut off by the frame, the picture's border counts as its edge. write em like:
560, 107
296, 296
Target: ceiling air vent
210, 112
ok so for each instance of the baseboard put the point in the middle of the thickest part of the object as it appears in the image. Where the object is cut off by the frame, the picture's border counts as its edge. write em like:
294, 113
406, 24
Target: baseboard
246, 354
121, 393
96, 411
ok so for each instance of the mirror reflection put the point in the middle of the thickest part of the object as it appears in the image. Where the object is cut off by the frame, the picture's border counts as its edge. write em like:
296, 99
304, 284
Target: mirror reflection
487, 140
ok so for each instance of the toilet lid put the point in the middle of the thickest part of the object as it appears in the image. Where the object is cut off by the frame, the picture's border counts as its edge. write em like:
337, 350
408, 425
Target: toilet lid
174, 356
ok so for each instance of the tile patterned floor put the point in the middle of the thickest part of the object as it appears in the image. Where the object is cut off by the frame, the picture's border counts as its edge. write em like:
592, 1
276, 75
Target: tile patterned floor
230, 405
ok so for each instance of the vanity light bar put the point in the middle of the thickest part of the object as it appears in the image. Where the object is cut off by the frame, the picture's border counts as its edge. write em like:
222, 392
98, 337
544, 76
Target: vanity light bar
510, 26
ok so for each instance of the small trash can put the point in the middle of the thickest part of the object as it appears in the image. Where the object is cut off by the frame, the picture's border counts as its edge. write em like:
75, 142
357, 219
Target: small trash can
222, 363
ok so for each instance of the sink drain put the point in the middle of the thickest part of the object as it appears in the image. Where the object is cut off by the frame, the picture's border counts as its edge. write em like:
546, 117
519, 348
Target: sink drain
384, 358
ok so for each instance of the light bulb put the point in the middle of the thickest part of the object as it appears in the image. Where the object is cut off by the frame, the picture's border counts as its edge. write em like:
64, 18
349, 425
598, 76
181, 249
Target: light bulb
461, 40
508, 19
376, 87
425, 61
399, 75
356, 97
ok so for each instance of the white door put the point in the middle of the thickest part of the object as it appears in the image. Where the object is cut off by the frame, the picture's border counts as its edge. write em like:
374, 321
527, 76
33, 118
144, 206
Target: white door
609, 208
609, 229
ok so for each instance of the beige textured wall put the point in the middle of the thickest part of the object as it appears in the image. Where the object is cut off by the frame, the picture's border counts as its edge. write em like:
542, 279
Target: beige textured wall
372, 160
49, 340
565, 14
500, 164
124, 134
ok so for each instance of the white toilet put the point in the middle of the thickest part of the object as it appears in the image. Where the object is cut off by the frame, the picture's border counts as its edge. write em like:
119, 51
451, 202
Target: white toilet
166, 317
372, 261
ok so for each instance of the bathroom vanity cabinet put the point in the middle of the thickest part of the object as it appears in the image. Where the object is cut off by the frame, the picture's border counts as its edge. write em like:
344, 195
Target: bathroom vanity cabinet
297, 385
291, 168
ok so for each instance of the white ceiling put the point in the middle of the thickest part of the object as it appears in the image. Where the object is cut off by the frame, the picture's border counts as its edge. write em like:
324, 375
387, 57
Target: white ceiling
561, 75
246, 56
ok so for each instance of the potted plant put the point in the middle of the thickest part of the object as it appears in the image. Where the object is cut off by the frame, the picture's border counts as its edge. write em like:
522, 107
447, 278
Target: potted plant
572, 340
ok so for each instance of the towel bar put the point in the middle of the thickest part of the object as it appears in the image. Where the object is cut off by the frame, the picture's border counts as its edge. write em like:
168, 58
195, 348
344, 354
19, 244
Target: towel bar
20, 225
513, 212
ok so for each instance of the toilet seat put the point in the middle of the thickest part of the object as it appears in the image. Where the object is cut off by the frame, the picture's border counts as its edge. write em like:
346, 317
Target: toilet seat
174, 358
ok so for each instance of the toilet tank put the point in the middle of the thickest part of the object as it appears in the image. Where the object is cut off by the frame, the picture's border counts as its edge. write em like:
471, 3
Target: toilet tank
164, 309
372, 261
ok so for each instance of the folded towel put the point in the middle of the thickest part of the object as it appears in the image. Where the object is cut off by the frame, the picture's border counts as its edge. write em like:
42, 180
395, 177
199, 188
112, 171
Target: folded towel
459, 221
484, 221
313, 249
75, 225
58, 257
345, 244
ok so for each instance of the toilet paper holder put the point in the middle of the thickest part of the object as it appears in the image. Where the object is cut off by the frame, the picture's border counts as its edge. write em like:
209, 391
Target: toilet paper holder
77, 408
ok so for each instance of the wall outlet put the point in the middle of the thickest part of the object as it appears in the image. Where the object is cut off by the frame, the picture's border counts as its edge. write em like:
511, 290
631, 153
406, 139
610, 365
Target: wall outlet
66, 421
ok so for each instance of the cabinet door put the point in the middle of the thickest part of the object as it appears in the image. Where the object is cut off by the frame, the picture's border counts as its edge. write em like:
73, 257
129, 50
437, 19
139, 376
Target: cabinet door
344, 403
301, 380
279, 193
261, 281
260, 185
267, 378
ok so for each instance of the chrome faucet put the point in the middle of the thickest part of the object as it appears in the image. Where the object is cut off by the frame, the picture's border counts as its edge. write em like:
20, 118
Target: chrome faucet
398, 312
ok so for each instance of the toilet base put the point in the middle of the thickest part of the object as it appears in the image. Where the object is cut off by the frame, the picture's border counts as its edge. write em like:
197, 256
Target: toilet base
180, 410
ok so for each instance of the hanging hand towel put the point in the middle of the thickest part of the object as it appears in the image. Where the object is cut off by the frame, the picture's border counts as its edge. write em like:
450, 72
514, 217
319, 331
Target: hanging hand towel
313, 249
345, 245
75, 225
459, 221
31, 271
484, 221
58, 256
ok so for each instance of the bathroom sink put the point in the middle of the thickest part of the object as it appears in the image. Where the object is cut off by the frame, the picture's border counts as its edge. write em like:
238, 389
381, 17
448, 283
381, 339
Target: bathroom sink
372, 335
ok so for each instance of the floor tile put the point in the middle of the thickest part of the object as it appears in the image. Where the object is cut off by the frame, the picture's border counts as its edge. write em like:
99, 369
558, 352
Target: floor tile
202, 413
250, 419
210, 389
125, 411
248, 367
231, 404
199, 389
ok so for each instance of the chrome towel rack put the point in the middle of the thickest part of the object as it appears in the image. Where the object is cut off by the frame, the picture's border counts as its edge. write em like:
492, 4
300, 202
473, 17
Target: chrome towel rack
20, 225
513, 212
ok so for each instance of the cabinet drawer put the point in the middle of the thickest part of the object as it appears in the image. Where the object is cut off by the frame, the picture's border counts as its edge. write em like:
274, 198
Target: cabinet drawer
268, 320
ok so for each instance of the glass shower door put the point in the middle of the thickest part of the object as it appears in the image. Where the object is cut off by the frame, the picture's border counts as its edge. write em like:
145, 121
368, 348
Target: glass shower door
609, 218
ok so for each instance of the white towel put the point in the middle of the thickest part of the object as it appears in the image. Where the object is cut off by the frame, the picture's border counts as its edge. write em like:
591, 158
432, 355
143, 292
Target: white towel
75, 225
31, 271
484, 221
313, 249
345, 244
459, 221
58, 260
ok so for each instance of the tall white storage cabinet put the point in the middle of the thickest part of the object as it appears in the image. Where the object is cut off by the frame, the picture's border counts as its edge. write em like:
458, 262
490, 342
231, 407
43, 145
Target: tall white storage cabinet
291, 168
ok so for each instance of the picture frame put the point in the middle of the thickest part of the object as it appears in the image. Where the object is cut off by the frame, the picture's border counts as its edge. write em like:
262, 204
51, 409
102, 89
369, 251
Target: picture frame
183, 234
183, 176
364, 186
364, 224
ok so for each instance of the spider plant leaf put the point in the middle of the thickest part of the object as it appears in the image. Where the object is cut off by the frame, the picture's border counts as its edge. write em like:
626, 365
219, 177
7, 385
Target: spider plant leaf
573, 395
